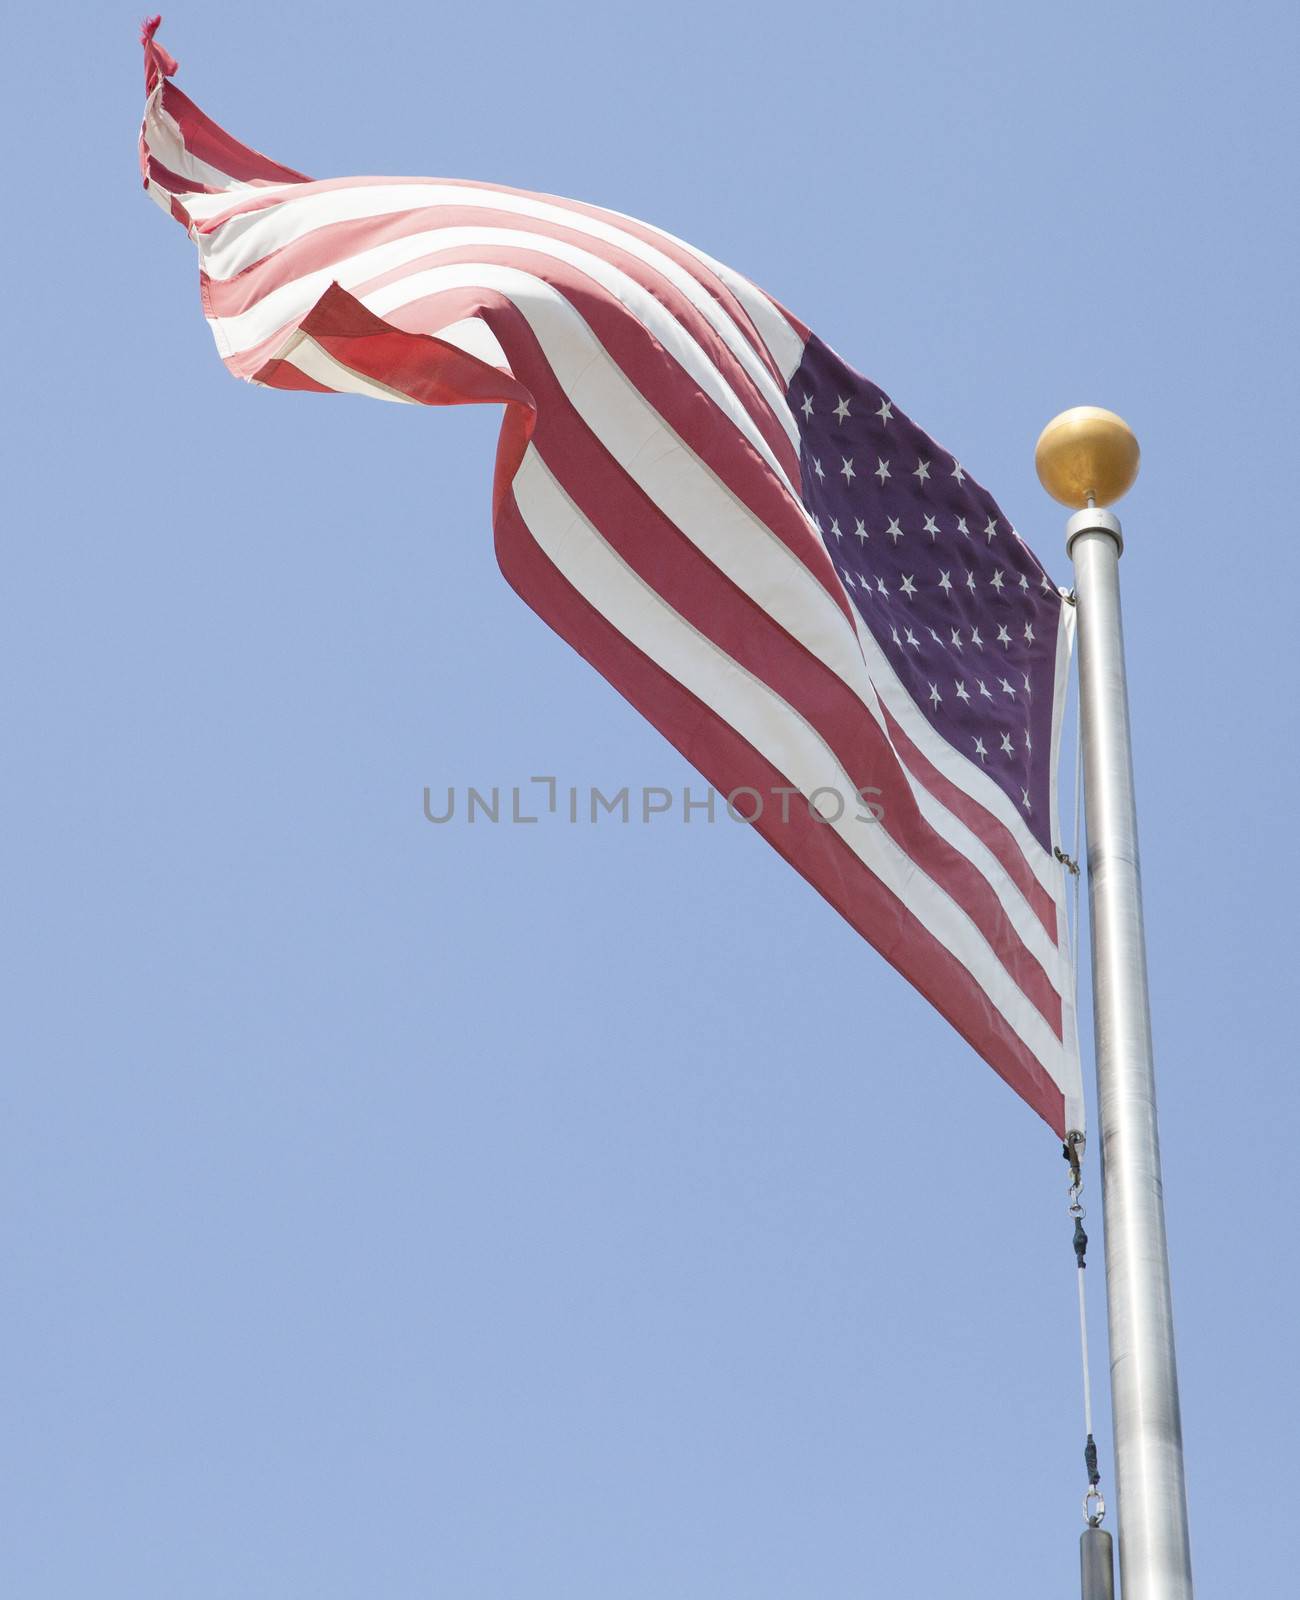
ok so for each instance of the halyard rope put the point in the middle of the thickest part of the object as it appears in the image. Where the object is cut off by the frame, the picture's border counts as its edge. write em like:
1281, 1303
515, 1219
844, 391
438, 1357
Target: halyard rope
1094, 1506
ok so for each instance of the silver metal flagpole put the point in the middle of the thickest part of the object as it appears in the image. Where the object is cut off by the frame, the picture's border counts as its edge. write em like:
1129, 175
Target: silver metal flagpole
1086, 457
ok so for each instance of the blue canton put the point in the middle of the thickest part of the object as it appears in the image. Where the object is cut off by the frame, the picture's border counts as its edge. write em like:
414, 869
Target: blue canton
958, 603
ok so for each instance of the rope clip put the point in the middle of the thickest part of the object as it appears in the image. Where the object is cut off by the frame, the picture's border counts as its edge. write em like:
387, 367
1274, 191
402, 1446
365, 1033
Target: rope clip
1072, 1151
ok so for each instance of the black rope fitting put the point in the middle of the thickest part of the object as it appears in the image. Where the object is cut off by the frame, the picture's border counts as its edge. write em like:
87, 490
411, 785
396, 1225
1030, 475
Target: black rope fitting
1090, 1461
1080, 1243
1068, 862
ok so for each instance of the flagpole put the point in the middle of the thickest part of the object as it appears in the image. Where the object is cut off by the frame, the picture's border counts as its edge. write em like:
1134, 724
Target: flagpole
1085, 456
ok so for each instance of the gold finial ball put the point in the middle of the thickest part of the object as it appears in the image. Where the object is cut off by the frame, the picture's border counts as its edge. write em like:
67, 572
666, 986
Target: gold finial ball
1087, 452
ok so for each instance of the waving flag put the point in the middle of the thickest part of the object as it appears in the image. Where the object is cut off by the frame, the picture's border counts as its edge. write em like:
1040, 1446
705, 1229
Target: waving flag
801, 590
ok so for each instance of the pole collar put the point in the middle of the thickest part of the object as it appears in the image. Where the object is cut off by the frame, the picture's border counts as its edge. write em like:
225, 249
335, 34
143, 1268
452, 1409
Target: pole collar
1092, 519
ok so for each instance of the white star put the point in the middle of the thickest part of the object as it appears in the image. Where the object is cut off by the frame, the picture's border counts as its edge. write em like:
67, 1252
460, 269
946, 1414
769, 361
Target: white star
984, 688
882, 469
880, 585
1007, 745
934, 636
1004, 638
980, 749
835, 527
1006, 688
911, 639
848, 578
807, 406
975, 638
996, 580
921, 471
1024, 677
991, 529
859, 528
956, 639
1044, 585
945, 583
842, 410
1029, 632
1024, 581
817, 468
1025, 801
962, 528
963, 694
893, 530
1029, 743
931, 527
886, 411
957, 471
893, 634
970, 582
907, 587
846, 471
934, 693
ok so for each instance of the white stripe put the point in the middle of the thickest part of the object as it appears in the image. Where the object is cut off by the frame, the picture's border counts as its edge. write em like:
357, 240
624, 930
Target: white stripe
159, 195
775, 730
252, 236
740, 544
292, 300
475, 338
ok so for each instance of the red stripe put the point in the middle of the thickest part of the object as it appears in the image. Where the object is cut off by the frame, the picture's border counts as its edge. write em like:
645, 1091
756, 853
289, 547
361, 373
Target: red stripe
215, 147
816, 851
172, 181
284, 375
159, 62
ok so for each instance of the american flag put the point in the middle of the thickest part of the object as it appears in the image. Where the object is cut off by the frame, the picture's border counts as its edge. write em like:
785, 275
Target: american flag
801, 590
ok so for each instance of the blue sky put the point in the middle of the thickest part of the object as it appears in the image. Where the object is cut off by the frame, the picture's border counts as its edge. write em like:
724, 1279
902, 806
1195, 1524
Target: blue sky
586, 1212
